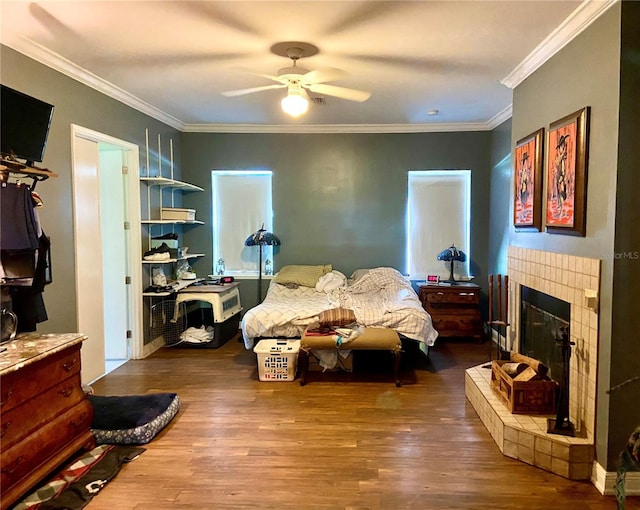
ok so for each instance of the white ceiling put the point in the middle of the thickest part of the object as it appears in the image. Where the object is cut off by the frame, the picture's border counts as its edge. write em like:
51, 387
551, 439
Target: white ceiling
172, 59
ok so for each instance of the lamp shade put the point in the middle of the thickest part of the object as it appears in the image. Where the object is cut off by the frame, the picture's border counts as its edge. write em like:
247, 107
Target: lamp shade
452, 254
262, 237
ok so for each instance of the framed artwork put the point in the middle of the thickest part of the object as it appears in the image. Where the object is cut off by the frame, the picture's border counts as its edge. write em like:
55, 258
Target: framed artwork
566, 191
527, 203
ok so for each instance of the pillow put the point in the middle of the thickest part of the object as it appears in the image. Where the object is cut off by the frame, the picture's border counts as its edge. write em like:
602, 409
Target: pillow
358, 273
307, 276
336, 317
331, 281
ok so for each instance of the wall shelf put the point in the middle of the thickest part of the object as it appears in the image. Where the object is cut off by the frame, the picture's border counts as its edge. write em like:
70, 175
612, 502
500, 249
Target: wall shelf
168, 261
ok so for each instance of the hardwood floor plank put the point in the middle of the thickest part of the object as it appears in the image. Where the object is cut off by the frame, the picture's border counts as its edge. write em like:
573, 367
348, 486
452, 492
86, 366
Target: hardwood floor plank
343, 441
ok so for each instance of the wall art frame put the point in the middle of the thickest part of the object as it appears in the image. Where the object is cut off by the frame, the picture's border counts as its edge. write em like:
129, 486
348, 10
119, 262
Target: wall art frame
566, 177
527, 198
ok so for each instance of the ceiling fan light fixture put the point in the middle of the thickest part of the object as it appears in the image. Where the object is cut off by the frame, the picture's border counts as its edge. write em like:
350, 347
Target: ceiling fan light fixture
294, 103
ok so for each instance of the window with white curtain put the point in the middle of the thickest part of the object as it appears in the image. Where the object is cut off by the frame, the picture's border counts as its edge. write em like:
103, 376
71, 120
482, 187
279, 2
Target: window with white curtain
241, 205
438, 215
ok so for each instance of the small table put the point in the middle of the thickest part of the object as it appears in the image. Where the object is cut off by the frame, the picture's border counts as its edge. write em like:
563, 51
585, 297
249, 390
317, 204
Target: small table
374, 339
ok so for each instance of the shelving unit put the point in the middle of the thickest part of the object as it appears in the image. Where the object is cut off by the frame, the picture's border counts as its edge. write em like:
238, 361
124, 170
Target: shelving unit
155, 186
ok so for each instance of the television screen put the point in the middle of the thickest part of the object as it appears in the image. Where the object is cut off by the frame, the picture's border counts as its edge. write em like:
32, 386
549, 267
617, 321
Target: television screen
25, 123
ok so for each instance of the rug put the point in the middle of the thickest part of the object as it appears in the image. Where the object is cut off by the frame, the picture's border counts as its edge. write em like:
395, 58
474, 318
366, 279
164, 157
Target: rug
134, 419
74, 486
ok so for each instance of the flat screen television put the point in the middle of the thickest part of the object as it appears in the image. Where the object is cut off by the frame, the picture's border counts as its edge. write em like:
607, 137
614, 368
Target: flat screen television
25, 123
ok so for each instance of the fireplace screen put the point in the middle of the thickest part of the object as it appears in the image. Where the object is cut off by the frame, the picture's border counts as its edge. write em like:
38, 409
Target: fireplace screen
544, 320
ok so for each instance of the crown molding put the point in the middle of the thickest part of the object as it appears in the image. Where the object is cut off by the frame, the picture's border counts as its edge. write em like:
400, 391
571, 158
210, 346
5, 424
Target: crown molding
500, 117
55, 61
335, 128
569, 29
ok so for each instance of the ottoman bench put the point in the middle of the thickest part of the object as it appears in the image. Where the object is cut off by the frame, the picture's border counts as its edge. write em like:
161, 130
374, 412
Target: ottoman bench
374, 339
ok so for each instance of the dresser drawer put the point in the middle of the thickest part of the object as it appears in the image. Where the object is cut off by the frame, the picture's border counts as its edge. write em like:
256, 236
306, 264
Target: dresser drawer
448, 297
457, 325
27, 455
21, 421
19, 386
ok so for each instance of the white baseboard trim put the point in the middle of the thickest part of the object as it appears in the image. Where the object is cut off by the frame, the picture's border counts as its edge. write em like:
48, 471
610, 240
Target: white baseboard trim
153, 346
605, 481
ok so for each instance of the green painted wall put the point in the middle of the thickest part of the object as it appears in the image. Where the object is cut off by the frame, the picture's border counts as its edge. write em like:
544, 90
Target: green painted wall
624, 411
78, 104
587, 72
500, 218
339, 198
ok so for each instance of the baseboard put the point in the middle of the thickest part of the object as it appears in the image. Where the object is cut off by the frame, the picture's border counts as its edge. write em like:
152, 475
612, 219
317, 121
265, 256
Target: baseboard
605, 481
153, 346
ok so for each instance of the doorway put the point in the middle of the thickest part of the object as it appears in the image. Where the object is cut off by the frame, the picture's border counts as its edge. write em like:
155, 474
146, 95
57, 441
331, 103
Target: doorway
107, 247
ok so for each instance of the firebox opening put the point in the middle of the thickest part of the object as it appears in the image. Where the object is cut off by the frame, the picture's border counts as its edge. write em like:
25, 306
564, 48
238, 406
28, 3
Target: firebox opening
544, 320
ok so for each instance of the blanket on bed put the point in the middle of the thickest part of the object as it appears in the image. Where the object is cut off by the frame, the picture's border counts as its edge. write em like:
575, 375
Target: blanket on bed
379, 297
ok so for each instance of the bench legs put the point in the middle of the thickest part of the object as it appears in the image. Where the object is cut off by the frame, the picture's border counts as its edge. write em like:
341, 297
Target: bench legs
303, 359
396, 367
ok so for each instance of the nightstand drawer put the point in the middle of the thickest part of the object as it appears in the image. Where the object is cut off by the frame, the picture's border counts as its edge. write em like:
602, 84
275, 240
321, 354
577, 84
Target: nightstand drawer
461, 296
467, 325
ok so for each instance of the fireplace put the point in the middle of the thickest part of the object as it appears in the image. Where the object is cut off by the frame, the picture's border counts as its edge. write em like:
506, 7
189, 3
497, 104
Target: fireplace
544, 320
576, 282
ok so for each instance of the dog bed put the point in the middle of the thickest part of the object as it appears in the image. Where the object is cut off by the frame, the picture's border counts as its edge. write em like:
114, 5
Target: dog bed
135, 419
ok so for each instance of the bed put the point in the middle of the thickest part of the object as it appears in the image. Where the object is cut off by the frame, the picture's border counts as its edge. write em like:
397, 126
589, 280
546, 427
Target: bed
379, 297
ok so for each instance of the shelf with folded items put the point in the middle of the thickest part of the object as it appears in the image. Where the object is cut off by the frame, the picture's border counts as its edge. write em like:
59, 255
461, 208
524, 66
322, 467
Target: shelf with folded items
176, 286
168, 261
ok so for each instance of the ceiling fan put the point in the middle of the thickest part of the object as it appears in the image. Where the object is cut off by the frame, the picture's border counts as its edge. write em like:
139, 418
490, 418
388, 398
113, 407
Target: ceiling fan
301, 82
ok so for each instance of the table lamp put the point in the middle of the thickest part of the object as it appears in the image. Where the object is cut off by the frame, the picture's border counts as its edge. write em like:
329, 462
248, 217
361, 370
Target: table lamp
452, 254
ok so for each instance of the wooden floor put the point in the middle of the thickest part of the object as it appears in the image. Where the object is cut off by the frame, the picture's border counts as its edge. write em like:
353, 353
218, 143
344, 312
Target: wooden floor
343, 441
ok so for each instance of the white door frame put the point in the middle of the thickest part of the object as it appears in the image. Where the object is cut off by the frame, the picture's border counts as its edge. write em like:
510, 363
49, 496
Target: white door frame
131, 153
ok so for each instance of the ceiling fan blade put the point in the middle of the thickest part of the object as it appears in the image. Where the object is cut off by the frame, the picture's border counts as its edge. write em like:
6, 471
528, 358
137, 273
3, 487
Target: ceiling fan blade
341, 92
241, 92
263, 75
325, 74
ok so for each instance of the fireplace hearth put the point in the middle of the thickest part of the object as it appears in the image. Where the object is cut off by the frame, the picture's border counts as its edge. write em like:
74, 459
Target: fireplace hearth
575, 281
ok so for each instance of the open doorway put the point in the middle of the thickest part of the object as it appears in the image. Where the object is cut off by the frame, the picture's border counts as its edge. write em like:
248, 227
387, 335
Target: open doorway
107, 249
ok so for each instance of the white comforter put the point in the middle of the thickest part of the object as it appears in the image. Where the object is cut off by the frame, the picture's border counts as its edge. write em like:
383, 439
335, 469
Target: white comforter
381, 297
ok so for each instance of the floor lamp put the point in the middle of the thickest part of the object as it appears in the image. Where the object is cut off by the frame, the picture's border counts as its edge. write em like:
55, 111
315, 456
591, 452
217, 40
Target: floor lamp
261, 238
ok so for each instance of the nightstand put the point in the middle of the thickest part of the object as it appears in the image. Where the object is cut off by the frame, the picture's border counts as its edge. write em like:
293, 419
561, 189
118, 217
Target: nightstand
454, 309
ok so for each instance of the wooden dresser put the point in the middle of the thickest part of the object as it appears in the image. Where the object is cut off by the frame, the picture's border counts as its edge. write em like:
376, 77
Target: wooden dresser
454, 309
45, 417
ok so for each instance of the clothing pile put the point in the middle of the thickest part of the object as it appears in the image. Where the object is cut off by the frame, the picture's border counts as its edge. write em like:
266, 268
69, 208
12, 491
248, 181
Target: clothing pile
199, 335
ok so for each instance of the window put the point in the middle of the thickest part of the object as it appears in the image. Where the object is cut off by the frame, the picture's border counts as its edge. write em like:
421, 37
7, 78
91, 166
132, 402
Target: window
438, 215
241, 204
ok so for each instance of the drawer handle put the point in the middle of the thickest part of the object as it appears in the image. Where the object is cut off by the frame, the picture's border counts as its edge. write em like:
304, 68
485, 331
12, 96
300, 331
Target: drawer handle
440, 293
66, 392
75, 424
8, 470
69, 365
6, 399
5, 427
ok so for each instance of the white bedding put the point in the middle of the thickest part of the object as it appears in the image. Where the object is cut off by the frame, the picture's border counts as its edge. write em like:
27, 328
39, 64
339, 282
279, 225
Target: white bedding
379, 297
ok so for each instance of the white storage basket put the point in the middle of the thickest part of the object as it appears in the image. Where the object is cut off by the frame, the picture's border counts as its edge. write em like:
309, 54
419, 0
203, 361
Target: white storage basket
277, 359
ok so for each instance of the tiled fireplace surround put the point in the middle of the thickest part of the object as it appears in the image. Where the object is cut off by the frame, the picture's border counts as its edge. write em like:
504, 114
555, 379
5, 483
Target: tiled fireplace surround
524, 437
